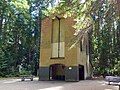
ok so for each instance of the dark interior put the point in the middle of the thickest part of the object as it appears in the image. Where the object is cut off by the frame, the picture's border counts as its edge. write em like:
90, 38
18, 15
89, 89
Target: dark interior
57, 72
81, 72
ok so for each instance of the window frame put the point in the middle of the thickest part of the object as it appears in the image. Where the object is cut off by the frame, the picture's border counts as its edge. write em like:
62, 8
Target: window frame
59, 40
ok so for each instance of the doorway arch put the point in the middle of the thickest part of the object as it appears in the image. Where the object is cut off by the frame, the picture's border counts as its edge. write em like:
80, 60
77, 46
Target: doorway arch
81, 72
57, 72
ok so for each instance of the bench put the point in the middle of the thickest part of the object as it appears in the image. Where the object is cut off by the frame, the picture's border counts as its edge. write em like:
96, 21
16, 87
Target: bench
23, 77
114, 79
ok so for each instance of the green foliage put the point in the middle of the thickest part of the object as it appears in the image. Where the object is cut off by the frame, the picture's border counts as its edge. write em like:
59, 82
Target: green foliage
19, 37
20, 32
103, 17
25, 72
106, 55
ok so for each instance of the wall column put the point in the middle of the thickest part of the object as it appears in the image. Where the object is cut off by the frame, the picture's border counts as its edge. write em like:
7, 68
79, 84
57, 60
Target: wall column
44, 73
72, 73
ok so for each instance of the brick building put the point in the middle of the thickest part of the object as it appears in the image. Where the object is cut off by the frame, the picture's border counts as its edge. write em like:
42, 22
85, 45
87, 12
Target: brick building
58, 61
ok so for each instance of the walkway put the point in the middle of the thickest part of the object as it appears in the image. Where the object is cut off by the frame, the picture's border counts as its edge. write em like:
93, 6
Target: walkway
16, 84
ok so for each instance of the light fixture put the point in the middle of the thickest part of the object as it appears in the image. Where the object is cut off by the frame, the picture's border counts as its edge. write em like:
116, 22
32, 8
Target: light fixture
70, 68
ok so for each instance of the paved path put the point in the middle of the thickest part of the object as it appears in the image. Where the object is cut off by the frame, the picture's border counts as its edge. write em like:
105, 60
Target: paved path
16, 84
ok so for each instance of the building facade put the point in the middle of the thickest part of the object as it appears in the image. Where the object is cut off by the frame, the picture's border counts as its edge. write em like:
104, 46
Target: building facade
60, 59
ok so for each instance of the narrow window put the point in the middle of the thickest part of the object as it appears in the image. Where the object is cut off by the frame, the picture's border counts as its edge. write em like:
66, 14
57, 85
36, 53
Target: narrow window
57, 39
86, 49
55, 32
81, 45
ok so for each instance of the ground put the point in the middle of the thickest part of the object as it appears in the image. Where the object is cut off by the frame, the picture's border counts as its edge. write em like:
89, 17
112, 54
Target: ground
16, 84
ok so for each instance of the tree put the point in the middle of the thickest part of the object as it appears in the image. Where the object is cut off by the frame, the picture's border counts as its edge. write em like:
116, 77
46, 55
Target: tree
20, 24
102, 16
20, 35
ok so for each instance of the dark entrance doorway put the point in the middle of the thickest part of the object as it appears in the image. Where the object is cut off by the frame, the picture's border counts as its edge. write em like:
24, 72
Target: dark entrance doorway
81, 72
57, 72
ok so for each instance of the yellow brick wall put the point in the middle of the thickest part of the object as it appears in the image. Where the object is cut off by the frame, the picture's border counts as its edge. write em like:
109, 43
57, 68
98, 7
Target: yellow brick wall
45, 46
71, 56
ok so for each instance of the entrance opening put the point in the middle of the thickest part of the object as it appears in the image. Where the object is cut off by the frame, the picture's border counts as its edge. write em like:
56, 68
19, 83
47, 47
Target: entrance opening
81, 72
57, 72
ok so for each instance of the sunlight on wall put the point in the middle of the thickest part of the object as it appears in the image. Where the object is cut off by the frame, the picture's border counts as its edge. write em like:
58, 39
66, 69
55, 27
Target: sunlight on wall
53, 88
